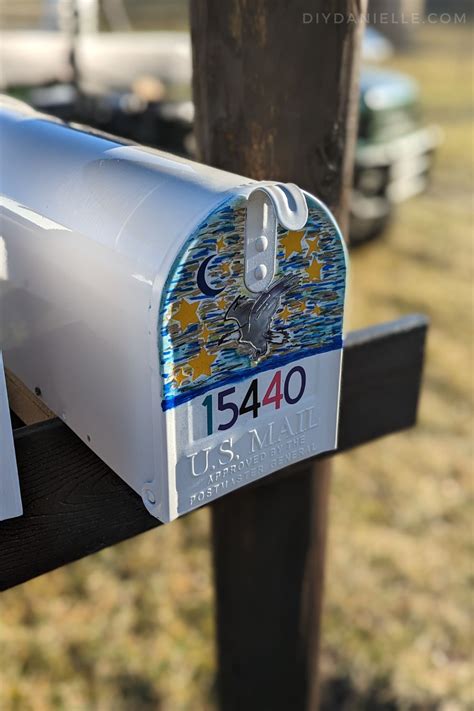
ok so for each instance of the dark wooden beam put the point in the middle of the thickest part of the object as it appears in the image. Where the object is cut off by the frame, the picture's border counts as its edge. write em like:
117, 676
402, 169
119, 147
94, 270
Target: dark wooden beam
276, 99
74, 505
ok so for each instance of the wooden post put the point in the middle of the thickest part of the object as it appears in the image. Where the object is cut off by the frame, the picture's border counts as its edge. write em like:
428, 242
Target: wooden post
275, 99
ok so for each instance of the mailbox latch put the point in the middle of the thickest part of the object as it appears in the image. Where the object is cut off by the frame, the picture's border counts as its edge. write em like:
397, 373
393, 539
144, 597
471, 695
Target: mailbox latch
269, 204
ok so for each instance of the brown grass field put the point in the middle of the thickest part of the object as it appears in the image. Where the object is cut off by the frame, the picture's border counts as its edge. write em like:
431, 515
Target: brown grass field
131, 628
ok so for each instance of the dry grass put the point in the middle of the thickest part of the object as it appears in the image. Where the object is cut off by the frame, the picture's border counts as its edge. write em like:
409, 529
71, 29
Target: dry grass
131, 628
397, 605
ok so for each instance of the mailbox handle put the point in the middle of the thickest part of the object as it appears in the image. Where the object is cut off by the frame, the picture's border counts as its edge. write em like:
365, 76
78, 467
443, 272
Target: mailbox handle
269, 204
288, 202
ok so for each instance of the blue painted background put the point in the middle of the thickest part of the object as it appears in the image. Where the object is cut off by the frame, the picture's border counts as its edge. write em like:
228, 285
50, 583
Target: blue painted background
307, 331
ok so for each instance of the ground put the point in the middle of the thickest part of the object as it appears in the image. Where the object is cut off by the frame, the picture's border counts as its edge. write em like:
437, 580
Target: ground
132, 627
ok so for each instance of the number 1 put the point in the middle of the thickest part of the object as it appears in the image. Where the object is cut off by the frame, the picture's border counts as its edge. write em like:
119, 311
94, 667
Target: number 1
207, 402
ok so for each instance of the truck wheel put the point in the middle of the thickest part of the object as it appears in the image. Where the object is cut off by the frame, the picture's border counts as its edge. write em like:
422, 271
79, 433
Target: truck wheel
365, 229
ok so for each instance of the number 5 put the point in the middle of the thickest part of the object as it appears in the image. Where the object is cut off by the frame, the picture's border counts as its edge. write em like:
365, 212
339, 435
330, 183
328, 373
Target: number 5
221, 405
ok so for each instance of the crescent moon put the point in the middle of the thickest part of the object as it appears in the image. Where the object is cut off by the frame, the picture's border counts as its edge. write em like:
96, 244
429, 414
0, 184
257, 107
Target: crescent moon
201, 279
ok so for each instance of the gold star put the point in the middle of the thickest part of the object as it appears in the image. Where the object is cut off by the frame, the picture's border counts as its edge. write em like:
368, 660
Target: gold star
202, 363
299, 306
285, 314
313, 246
220, 244
205, 333
222, 303
314, 270
292, 242
225, 268
186, 313
316, 310
180, 377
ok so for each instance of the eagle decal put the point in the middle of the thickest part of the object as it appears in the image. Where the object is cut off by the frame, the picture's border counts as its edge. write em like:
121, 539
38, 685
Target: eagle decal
254, 316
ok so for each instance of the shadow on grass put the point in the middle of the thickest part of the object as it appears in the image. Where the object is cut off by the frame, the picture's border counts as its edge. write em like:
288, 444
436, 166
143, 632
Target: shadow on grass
340, 693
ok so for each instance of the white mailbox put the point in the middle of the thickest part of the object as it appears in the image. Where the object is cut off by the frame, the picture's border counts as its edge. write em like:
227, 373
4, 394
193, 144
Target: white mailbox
186, 323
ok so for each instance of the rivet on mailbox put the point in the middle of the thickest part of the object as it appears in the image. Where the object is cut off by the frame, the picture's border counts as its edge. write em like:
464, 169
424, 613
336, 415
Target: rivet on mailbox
186, 323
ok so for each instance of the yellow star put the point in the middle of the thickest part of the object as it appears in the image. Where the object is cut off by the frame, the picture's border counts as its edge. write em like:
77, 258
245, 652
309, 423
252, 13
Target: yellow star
202, 363
180, 377
225, 268
299, 306
313, 246
205, 333
186, 313
316, 310
220, 244
285, 314
222, 303
292, 242
314, 270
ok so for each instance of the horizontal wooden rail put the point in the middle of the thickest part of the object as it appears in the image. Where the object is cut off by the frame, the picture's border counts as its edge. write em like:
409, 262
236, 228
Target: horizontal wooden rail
74, 505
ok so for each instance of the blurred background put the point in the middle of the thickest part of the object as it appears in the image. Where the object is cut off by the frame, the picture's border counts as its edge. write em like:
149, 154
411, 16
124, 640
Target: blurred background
132, 627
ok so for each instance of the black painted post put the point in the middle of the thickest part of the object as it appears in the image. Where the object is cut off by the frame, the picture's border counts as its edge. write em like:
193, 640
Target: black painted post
275, 99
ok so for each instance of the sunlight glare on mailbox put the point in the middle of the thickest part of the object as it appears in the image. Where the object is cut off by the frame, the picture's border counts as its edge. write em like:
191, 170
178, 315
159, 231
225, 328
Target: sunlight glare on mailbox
184, 322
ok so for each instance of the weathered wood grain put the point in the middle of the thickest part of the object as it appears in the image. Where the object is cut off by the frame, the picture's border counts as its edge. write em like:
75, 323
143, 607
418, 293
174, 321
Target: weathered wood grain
276, 99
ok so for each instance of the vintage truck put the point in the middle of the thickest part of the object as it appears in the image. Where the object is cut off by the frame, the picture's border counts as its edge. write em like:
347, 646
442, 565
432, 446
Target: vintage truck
138, 85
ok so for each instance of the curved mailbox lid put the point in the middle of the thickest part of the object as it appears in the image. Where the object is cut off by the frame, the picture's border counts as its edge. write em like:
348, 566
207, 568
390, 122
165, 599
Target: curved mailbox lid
249, 381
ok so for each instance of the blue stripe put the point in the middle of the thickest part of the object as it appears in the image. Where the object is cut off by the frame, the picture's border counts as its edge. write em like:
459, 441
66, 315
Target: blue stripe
170, 403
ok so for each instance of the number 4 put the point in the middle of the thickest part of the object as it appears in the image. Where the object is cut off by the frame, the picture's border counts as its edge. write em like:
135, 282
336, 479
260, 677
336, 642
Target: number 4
252, 393
273, 393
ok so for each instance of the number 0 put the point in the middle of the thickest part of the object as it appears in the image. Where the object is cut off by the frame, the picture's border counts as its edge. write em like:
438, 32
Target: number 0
297, 369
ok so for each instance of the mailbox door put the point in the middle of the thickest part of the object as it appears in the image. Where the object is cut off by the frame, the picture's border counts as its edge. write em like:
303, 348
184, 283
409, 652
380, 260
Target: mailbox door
250, 381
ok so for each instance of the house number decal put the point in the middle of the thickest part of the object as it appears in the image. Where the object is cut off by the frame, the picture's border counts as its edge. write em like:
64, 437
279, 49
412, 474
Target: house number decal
273, 396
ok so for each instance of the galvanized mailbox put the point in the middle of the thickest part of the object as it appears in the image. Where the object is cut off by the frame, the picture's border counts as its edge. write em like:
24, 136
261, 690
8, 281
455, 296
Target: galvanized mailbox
186, 323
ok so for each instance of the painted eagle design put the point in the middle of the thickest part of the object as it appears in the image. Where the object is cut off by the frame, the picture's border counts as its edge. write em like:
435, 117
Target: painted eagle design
253, 316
